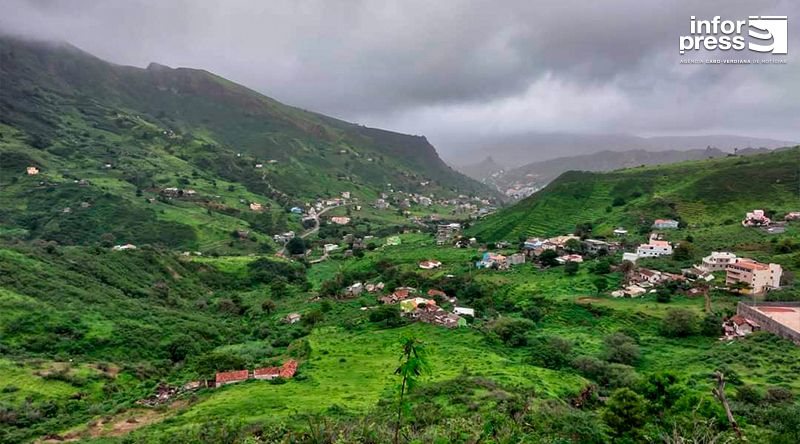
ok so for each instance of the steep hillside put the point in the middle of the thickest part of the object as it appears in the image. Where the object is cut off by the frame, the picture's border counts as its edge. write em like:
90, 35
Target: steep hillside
108, 138
707, 192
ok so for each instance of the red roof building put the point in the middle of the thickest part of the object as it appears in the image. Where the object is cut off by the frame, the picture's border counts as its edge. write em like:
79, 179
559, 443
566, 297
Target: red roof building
433, 293
288, 369
267, 373
231, 377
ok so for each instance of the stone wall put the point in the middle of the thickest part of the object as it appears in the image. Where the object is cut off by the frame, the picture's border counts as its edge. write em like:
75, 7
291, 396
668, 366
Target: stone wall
745, 309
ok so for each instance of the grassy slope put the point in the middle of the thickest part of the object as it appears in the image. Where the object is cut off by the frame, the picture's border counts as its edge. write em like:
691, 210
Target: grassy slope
42, 82
70, 114
701, 193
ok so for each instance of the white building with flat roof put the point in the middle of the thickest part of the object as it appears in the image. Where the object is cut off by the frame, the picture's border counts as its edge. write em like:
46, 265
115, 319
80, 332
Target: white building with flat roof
718, 260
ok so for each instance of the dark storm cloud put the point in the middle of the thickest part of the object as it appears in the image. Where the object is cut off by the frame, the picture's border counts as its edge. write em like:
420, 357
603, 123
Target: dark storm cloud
461, 72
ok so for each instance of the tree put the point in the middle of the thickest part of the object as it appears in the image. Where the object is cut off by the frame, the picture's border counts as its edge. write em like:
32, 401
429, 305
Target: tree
719, 393
296, 245
573, 245
679, 322
268, 306
389, 315
602, 267
626, 413
413, 364
627, 267
711, 325
663, 295
600, 284
571, 268
512, 331
621, 348
683, 252
548, 258
738, 287
279, 288
313, 317
551, 352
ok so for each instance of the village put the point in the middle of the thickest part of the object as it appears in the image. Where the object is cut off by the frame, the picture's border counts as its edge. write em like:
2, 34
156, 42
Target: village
720, 270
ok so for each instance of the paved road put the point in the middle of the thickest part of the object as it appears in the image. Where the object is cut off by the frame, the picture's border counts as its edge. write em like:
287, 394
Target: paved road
315, 228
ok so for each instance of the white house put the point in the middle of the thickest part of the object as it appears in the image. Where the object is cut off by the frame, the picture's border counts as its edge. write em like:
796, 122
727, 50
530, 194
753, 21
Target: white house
464, 311
630, 257
516, 259
654, 248
663, 224
569, 258
756, 218
718, 260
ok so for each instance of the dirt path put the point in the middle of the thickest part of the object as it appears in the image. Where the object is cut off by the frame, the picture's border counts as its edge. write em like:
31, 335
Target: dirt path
117, 425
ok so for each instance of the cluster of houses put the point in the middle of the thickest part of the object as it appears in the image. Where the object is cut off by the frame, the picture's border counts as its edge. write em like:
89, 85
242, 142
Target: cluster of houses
642, 279
655, 247
446, 233
757, 277
496, 261
758, 218
283, 238
286, 371
474, 206
173, 192
359, 287
422, 309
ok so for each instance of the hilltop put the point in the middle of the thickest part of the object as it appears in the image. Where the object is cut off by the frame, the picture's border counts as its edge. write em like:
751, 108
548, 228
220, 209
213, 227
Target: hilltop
701, 193
108, 139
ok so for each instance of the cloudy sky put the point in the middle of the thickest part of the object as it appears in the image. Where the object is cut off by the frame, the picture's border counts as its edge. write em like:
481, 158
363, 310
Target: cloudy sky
459, 72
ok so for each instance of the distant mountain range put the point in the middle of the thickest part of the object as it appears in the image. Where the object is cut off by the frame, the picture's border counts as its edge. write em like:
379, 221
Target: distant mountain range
516, 150
522, 181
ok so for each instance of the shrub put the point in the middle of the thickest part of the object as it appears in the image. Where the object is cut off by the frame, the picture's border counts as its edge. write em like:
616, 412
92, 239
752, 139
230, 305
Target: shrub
679, 322
388, 315
512, 331
779, 395
749, 395
550, 352
626, 413
621, 349
571, 268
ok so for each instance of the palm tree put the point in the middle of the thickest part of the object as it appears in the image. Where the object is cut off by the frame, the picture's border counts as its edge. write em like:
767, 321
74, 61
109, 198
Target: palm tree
412, 365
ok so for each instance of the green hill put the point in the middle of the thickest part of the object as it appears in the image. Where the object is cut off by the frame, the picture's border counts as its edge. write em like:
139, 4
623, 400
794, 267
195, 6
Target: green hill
128, 132
699, 193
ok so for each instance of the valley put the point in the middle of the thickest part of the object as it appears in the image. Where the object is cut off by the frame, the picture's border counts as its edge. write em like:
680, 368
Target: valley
185, 260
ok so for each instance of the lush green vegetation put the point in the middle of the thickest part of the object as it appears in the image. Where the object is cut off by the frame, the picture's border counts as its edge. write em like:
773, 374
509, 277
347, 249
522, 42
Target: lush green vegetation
701, 194
87, 332
108, 139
